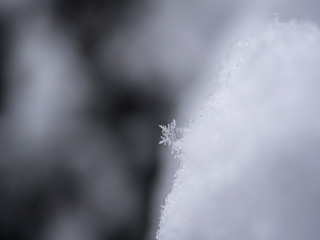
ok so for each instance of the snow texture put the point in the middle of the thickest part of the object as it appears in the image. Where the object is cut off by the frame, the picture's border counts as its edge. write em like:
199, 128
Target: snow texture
250, 165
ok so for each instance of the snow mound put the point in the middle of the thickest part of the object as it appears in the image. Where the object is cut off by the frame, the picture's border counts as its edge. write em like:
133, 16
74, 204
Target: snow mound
250, 165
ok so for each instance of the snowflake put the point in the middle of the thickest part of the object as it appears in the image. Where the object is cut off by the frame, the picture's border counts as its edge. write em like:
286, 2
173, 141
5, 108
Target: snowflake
172, 136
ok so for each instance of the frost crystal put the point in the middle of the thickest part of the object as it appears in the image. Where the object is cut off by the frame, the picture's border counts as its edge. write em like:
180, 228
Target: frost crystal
172, 136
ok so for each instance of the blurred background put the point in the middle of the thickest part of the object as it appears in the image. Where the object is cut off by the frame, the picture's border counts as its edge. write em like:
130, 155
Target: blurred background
83, 87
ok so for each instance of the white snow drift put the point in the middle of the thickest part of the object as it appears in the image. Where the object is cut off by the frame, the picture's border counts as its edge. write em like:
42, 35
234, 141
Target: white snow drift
250, 165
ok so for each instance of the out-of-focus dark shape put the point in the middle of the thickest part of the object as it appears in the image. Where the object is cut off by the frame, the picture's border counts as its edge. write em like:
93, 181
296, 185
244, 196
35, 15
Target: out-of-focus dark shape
3, 53
78, 143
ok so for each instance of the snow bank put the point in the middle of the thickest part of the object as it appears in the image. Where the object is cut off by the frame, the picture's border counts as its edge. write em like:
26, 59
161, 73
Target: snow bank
250, 164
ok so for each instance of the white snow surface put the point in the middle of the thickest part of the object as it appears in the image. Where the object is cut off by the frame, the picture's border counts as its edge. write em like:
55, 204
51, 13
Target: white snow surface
250, 167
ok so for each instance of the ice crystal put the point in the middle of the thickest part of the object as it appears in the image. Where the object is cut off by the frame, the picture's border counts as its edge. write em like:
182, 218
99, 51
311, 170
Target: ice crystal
172, 136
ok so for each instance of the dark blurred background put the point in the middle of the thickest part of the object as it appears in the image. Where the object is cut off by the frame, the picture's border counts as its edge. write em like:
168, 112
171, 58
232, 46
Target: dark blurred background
79, 133
83, 87
83, 90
